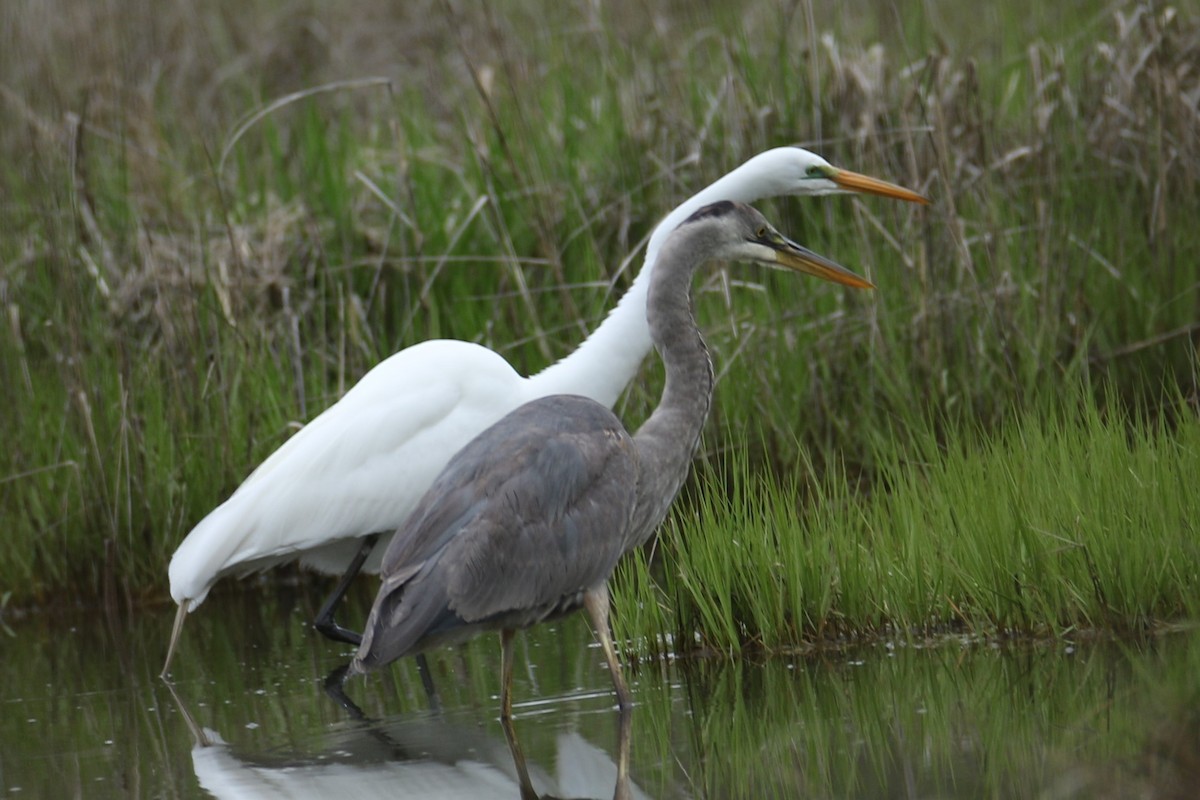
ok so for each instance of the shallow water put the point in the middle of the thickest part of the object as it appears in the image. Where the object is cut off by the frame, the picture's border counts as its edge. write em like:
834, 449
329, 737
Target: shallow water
82, 713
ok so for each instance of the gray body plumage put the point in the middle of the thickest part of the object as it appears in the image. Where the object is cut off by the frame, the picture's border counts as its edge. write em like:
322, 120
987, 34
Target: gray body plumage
528, 521
521, 522
538, 508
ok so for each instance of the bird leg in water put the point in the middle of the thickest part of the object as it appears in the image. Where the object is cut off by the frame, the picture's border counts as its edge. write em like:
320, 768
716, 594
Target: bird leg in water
624, 733
326, 624
431, 693
596, 603
506, 659
335, 688
324, 621
510, 733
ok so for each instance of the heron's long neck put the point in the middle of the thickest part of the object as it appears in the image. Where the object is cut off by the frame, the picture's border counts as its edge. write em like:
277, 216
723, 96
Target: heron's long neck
606, 361
668, 439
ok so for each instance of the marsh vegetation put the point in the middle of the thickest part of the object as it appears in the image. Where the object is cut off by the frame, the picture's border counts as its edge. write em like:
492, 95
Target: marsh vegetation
217, 218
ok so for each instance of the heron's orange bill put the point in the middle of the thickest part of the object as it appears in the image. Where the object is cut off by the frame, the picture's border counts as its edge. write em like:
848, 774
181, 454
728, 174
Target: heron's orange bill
855, 182
801, 259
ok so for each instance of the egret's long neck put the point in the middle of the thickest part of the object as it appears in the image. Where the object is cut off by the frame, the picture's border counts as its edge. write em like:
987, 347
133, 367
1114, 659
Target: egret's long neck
668, 439
607, 360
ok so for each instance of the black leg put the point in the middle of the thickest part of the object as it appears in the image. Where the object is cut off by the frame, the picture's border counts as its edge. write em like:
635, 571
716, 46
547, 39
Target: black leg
335, 687
324, 621
435, 702
326, 624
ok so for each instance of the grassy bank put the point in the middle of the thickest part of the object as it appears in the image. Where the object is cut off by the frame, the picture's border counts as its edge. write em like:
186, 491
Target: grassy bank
1062, 524
216, 220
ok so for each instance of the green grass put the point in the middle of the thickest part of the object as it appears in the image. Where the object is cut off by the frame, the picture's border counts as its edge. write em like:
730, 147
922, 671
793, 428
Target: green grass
1059, 524
191, 267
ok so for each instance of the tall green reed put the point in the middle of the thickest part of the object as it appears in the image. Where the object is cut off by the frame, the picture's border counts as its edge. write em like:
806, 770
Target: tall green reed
178, 299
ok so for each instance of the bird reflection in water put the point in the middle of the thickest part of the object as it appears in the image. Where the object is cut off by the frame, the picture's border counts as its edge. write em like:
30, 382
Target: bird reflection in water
402, 758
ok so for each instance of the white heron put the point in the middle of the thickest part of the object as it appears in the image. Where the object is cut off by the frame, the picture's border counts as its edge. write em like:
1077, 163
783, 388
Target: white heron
353, 474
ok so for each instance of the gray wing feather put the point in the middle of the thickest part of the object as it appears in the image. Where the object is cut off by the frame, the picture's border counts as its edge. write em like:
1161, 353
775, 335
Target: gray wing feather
533, 511
558, 527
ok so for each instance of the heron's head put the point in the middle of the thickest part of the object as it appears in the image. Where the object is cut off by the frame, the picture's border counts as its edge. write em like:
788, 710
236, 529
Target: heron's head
737, 232
794, 170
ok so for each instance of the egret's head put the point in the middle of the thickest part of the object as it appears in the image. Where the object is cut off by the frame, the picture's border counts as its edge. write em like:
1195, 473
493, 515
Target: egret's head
794, 170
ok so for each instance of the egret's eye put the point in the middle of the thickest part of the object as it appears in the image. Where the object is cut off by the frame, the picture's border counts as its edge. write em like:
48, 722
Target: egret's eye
815, 172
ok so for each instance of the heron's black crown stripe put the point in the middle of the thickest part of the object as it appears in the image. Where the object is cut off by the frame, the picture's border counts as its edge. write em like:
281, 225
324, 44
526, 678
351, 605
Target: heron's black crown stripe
717, 209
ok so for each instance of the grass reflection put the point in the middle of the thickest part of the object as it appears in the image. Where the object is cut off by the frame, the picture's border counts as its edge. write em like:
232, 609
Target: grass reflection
83, 714
1039, 721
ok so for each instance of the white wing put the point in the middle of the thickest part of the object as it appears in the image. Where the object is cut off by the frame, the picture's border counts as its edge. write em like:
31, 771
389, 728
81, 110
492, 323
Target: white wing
358, 468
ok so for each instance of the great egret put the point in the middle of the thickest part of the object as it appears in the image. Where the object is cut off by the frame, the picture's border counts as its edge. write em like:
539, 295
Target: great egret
528, 520
355, 472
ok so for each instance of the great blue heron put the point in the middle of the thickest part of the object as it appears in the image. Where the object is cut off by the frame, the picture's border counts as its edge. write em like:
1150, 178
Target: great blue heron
356, 471
529, 519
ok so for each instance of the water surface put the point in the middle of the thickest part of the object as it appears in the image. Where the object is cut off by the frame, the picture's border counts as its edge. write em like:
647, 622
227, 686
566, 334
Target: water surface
82, 713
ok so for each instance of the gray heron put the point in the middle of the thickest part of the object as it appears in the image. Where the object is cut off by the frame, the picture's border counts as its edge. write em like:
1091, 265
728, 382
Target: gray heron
527, 522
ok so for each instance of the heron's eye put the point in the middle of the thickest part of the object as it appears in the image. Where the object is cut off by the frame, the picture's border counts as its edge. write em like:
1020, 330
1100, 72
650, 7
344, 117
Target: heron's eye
815, 172
761, 233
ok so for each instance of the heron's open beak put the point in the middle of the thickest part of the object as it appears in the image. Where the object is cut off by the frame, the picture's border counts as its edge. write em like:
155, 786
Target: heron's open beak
796, 257
854, 182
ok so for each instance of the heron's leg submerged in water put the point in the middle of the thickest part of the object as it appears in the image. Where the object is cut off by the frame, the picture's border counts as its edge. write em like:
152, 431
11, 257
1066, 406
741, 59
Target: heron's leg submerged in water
431, 693
596, 603
506, 659
324, 621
